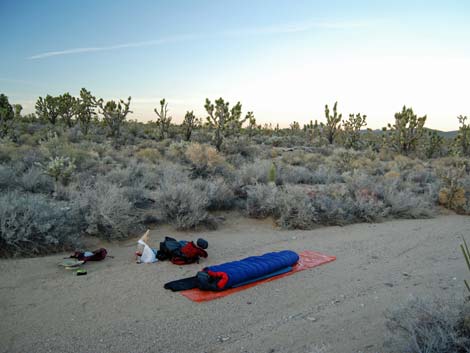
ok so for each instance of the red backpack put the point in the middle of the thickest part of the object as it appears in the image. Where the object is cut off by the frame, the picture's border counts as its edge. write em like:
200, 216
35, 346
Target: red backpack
190, 253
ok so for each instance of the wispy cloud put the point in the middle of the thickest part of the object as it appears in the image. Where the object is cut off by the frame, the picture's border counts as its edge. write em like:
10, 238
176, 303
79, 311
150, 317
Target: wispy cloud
147, 43
269, 30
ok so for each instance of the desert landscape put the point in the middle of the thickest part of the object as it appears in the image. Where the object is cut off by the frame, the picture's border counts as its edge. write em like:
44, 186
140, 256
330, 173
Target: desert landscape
234, 177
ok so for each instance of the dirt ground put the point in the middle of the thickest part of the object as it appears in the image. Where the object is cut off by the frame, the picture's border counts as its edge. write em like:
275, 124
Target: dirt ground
122, 307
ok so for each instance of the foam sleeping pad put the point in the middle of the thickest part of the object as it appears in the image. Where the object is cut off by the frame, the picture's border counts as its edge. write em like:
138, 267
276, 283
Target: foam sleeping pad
233, 273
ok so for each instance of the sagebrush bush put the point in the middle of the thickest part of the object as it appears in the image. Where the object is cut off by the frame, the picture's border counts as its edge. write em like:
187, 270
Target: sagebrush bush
260, 200
253, 173
404, 203
204, 159
32, 224
294, 209
183, 204
219, 193
7, 178
34, 180
424, 326
107, 210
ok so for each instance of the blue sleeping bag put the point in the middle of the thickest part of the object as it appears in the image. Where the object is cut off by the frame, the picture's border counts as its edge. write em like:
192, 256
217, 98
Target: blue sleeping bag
234, 273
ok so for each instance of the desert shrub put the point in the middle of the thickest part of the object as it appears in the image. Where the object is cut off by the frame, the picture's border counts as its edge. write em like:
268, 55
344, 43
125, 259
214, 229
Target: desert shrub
107, 210
74, 134
7, 178
291, 174
295, 157
368, 205
404, 203
8, 150
176, 151
126, 176
260, 200
60, 168
242, 146
34, 180
183, 204
149, 154
325, 175
294, 209
220, 195
253, 173
333, 206
31, 224
344, 160
204, 159
422, 326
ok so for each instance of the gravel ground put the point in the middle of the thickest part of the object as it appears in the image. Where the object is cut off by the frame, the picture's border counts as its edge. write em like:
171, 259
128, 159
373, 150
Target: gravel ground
122, 307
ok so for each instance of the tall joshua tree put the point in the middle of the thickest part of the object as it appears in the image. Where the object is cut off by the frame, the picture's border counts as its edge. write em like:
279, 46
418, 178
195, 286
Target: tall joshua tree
463, 137
86, 109
6, 114
407, 130
164, 121
190, 123
114, 114
47, 109
333, 123
352, 130
68, 106
223, 120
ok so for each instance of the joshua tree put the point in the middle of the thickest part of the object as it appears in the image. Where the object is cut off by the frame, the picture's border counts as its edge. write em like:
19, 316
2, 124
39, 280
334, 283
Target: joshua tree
407, 130
6, 114
114, 114
164, 121
68, 106
190, 122
48, 108
252, 127
463, 138
352, 130
295, 126
433, 144
223, 120
313, 131
86, 105
17, 108
333, 123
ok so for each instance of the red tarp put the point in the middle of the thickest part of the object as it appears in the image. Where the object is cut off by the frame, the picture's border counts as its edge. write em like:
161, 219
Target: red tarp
308, 259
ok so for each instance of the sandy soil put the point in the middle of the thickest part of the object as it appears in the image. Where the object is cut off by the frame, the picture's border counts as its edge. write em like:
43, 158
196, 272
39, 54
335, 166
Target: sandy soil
122, 307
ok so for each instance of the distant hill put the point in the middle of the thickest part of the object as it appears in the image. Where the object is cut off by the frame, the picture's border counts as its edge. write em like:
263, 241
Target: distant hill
448, 134
445, 134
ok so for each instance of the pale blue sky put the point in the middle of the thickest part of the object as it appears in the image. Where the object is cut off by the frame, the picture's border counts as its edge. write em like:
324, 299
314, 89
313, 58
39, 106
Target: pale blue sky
282, 59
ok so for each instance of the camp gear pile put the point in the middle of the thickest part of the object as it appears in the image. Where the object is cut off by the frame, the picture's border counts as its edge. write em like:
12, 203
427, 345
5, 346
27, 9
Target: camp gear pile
181, 252
238, 273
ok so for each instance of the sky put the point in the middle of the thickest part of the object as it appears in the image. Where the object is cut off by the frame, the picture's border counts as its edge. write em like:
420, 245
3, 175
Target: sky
283, 60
